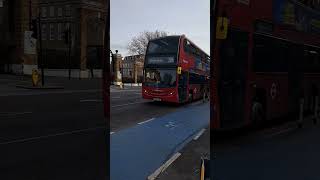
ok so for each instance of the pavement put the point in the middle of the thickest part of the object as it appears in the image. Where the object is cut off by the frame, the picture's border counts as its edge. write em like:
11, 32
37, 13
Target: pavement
52, 134
187, 166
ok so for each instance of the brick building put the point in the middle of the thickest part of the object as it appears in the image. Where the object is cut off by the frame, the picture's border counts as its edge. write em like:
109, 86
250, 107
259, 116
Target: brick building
86, 19
132, 68
14, 21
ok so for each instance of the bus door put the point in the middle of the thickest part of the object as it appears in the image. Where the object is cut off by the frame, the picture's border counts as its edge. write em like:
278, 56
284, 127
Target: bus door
183, 86
233, 66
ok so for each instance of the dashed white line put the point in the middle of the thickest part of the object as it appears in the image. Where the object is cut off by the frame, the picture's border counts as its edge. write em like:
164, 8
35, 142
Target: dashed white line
50, 92
280, 132
90, 100
121, 105
51, 135
199, 134
146, 121
164, 166
14, 113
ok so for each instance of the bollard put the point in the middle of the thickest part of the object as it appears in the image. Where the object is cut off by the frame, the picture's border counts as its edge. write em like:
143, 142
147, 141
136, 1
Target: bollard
202, 170
316, 115
301, 113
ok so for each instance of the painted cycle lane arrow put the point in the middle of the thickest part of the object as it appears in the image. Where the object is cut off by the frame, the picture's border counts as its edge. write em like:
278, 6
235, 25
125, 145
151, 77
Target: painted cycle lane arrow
137, 152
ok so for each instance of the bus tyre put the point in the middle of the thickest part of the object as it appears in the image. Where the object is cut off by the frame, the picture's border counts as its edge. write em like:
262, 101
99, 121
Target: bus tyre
258, 113
190, 97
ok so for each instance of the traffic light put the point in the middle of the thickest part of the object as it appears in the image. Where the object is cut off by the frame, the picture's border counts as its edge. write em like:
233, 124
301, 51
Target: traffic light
34, 28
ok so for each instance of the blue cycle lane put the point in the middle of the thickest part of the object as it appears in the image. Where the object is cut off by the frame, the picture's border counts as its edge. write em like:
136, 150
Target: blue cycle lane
137, 152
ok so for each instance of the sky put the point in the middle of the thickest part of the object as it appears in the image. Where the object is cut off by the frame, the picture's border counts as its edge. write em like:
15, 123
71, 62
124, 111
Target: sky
131, 17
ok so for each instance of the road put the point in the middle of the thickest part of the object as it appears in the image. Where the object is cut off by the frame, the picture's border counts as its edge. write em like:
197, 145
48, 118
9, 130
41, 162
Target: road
283, 152
128, 108
52, 134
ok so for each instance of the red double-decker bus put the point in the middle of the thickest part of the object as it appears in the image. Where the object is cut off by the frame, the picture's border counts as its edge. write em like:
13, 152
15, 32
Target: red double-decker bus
267, 63
175, 70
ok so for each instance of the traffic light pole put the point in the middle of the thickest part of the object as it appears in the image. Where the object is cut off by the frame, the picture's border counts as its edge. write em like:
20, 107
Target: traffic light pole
40, 60
214, 5
69, 43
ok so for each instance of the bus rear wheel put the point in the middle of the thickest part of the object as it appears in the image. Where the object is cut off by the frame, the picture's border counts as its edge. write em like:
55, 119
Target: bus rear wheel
190, 97
258, 113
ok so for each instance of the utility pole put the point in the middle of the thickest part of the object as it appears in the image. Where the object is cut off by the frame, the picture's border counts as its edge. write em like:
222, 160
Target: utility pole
214, 5
69, 41
30, 14
40, 60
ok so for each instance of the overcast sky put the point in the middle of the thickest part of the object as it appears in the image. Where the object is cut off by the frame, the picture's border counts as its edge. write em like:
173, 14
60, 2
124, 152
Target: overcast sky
130, 17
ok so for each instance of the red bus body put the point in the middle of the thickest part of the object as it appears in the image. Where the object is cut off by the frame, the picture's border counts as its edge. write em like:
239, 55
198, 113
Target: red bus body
255, 24
178, 92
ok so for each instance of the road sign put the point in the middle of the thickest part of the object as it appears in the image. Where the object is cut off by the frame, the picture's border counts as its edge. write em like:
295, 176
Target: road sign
30, 43
222, 28
35, 77
179, 70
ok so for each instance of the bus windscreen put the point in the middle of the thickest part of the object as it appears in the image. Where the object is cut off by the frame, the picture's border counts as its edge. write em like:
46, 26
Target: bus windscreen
162, 78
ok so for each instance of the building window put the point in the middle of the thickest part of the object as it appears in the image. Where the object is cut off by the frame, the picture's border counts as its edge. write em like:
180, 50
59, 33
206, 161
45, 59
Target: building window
68, 10
44, 11
44, 31
60, 31
51, 11
51, 31
59, 11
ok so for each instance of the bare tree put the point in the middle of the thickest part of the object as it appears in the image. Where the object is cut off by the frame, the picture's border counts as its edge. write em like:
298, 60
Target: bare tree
138, 45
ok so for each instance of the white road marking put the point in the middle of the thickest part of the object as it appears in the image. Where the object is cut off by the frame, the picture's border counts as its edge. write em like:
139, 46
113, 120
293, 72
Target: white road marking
199, 134
51, 135
14, 113
119, 90
121, 105
34, 93
111, 133
280, 132
90, 100
146, 121
164, 166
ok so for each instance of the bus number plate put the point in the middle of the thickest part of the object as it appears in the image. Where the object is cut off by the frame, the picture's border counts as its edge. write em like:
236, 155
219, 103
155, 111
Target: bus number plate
156, 99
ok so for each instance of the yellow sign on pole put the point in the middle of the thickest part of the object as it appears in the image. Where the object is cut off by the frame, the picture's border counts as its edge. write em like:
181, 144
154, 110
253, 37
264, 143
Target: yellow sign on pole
179, 70
35, 77
222, 28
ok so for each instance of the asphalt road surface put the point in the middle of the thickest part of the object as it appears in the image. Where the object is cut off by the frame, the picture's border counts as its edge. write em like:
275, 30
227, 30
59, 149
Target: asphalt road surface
52, 134
128, 108
284, 152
